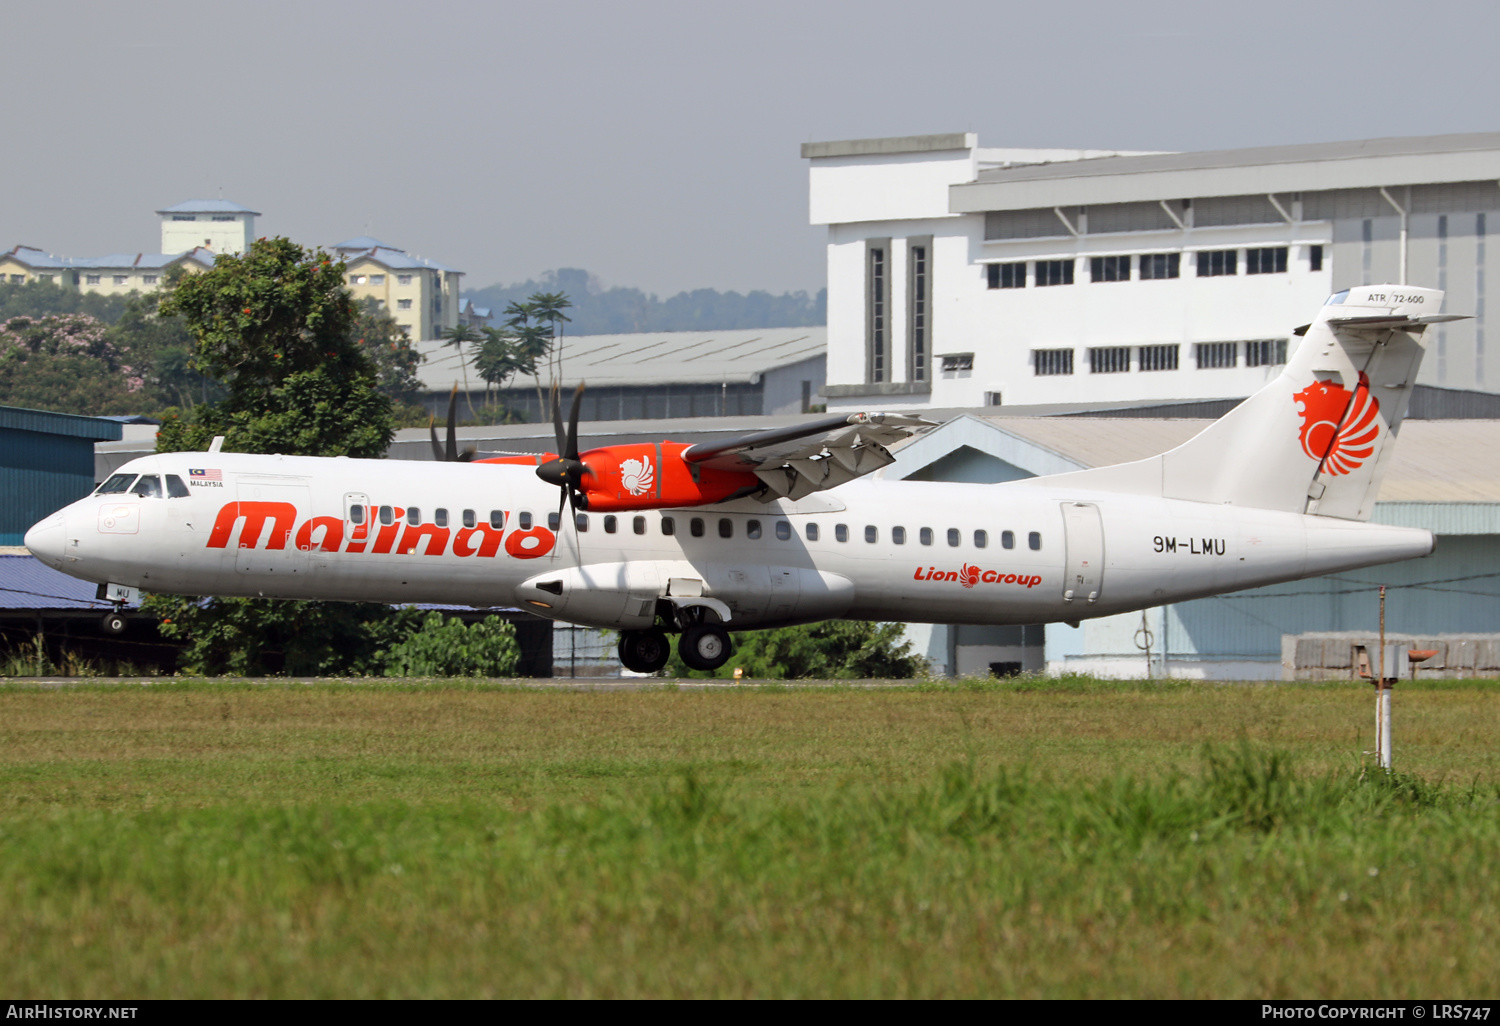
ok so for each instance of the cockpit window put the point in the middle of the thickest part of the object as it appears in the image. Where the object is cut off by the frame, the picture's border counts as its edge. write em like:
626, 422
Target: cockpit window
148, 487
175, 487
1337, 298
118, 484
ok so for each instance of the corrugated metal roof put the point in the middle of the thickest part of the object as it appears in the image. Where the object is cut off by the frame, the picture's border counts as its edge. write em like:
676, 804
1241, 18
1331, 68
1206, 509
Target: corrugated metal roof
33, 257
668, 357
1257, 156
27, 583
397, 259
211, 206
1434, 461
363, 242
93, 428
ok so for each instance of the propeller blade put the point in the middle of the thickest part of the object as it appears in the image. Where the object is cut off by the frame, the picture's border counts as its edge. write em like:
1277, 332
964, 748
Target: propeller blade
572, 450
557, 423
452, 453
437, 448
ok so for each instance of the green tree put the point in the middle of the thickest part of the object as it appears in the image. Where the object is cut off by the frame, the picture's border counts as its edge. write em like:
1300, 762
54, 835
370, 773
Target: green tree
829, 650
162, 351
275, 327
451, 648
67, 363
389, 348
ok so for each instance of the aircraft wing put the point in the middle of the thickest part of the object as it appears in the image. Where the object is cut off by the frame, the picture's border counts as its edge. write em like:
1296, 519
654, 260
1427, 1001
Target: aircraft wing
805, 458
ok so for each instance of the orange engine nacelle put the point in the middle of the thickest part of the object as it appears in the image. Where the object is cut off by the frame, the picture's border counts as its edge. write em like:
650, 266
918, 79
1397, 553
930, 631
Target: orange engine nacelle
650, 475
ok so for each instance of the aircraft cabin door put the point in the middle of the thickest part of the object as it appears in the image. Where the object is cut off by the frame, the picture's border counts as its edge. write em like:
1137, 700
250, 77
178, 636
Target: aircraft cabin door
1084, 574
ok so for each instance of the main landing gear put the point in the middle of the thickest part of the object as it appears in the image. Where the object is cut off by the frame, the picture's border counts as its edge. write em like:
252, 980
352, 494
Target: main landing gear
704, 644
644, 651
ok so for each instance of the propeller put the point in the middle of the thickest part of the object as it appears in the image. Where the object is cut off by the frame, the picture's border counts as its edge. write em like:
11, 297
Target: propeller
566, 470
450, 453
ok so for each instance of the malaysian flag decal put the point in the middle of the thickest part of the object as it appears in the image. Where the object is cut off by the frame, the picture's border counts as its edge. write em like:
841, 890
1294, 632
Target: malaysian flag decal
206, 475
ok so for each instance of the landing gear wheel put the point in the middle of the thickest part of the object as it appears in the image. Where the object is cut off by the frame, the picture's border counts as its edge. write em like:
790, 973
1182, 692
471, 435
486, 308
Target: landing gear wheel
704, 646
644, 651
113, 623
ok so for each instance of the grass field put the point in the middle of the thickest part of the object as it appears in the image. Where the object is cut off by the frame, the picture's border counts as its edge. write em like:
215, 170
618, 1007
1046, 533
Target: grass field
201, 839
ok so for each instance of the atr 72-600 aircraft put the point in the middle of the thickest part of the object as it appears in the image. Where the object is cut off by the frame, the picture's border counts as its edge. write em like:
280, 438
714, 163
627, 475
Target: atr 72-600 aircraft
773, 529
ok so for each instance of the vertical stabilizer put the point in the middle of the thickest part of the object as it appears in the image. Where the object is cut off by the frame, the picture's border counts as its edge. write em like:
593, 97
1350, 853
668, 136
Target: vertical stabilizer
1318, 438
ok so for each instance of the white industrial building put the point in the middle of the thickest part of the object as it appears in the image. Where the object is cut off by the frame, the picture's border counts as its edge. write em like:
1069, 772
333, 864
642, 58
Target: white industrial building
963, 276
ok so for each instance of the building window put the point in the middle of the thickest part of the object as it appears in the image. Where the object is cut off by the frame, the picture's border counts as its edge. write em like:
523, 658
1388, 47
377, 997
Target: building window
1265, 352
183, 217
1315, 258
1158, 358
1218, 262
1109, 268
994, 398
377, 279
1270, 260
1217, 355
122, 279
403, 304
919, 311
1052, 361
1109, 360
403, 279
17, 279
876, 314
222, 217
91, 279
148, 279
1006, 276
1054, 272
358, 279
45, 278
957, 362
1156, 266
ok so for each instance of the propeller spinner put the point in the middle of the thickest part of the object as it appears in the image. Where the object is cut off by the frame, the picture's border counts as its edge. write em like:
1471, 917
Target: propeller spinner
566, 471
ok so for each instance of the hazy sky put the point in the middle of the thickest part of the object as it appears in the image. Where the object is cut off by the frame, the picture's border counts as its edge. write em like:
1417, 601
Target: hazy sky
655, 143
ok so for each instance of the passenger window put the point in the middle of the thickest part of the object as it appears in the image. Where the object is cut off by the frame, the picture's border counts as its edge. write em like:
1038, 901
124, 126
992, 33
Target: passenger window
581, 521
523, 518
469, 520
726, 527
955, 537
175, 488
610, 524
148, 487
387, 515
695, 527
812, 532
925, 536
783, 530
638, 525
413, 516
1007, 539
497, 519
554, 521
872, 534
752, 529
116, 485
1035, 541
981, 539
898, 535
440, 517
841, 532
668, 526
356, 514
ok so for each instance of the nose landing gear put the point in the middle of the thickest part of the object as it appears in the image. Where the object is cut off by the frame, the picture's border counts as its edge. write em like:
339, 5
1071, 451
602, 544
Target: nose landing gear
113, 622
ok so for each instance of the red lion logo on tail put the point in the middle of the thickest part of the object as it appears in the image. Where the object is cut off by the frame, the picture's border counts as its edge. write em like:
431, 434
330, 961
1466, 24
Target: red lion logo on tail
1341, 448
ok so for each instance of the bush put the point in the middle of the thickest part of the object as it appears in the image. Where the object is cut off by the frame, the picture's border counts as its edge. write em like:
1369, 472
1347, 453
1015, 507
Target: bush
451, 648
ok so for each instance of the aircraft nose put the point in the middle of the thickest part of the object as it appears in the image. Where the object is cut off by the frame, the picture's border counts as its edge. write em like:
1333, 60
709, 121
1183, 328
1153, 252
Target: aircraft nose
47, 539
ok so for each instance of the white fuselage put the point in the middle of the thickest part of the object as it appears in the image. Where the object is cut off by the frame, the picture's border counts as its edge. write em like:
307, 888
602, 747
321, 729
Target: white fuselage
1022, 552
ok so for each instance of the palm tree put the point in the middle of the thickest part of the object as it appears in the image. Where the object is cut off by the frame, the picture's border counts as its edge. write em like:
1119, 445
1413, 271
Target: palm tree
457, 337
549, 307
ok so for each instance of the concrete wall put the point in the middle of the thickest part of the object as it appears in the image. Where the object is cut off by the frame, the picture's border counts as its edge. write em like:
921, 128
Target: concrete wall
227, 236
